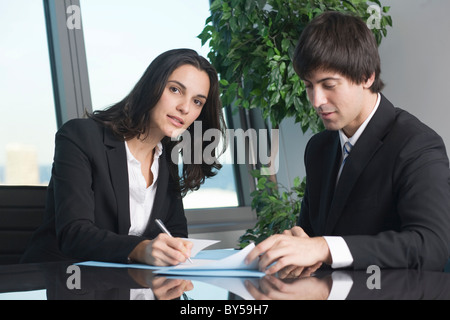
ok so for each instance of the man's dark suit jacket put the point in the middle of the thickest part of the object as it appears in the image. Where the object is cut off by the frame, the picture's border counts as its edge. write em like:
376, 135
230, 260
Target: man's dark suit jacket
88, 211
392, 202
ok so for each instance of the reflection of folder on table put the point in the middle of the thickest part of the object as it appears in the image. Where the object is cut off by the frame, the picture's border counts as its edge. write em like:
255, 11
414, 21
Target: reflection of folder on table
234, 285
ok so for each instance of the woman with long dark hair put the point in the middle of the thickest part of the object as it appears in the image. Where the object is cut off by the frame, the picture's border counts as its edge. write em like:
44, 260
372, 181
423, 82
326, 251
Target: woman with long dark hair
113, 173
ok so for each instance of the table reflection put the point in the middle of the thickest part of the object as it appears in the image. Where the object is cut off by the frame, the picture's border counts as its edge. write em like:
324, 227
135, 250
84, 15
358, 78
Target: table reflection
356, 285
124, 284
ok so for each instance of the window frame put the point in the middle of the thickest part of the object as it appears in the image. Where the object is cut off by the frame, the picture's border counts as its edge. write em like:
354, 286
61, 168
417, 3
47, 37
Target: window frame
68, 63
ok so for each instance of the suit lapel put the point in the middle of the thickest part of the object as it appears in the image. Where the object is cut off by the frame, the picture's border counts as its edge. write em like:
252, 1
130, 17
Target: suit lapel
368, 144
332, 157
117, 162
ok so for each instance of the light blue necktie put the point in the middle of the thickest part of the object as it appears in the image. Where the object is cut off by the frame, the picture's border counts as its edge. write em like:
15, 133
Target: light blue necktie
347, 148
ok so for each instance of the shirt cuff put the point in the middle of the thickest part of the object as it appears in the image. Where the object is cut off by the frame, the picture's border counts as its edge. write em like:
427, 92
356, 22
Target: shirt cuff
340, 253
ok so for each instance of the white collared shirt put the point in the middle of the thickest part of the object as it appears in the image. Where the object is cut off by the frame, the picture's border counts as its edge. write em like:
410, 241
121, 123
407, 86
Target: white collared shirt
353, 139
141, 197
340, 253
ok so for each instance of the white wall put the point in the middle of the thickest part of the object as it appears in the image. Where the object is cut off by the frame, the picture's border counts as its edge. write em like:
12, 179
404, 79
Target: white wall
292, 147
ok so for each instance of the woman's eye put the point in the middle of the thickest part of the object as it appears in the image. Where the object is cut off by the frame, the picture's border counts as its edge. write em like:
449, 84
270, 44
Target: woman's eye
198, 103
174, 89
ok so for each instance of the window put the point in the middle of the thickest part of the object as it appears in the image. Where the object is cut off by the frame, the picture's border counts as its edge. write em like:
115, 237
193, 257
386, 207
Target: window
27, 122
122, 38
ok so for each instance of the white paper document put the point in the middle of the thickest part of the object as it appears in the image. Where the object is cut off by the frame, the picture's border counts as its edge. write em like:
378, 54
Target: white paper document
230, 266
199, 245
235, 261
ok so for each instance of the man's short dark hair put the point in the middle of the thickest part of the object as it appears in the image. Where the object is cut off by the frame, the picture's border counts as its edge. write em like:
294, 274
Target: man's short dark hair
341, 43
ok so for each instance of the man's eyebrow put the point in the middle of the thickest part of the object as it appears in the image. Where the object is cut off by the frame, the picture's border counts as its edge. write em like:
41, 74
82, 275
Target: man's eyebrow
324, 79
184, 88
328, 78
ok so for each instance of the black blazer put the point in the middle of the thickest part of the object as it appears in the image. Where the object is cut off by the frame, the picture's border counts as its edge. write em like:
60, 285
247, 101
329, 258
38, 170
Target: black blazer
88, 210
392, 202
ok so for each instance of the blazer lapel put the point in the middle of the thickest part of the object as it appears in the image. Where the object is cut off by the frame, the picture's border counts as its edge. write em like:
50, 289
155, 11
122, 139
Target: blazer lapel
332, 155
117, 162
363, 151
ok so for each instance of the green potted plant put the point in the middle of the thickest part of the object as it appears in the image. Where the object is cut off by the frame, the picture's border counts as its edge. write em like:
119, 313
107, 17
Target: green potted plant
251, 45
276, 206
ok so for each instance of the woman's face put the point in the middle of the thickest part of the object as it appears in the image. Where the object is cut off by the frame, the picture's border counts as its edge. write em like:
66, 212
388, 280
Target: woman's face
181, 103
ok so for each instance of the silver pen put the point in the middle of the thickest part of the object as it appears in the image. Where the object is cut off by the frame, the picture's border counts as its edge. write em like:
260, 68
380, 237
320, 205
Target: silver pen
164, 229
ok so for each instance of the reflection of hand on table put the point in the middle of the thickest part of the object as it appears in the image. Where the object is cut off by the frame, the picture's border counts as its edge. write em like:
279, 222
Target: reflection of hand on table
169, 289
306, 288
163, 288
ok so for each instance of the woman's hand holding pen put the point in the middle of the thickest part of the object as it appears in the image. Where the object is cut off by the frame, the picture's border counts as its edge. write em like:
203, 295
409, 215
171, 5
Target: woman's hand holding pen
164, 250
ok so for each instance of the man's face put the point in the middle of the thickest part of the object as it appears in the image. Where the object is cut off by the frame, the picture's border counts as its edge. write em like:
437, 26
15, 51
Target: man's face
340, 103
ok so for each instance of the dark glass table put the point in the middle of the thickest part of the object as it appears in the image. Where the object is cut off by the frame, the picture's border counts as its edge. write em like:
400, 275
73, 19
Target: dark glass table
63, 281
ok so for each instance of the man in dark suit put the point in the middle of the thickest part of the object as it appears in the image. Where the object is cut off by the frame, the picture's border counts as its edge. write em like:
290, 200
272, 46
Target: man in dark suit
378, 180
